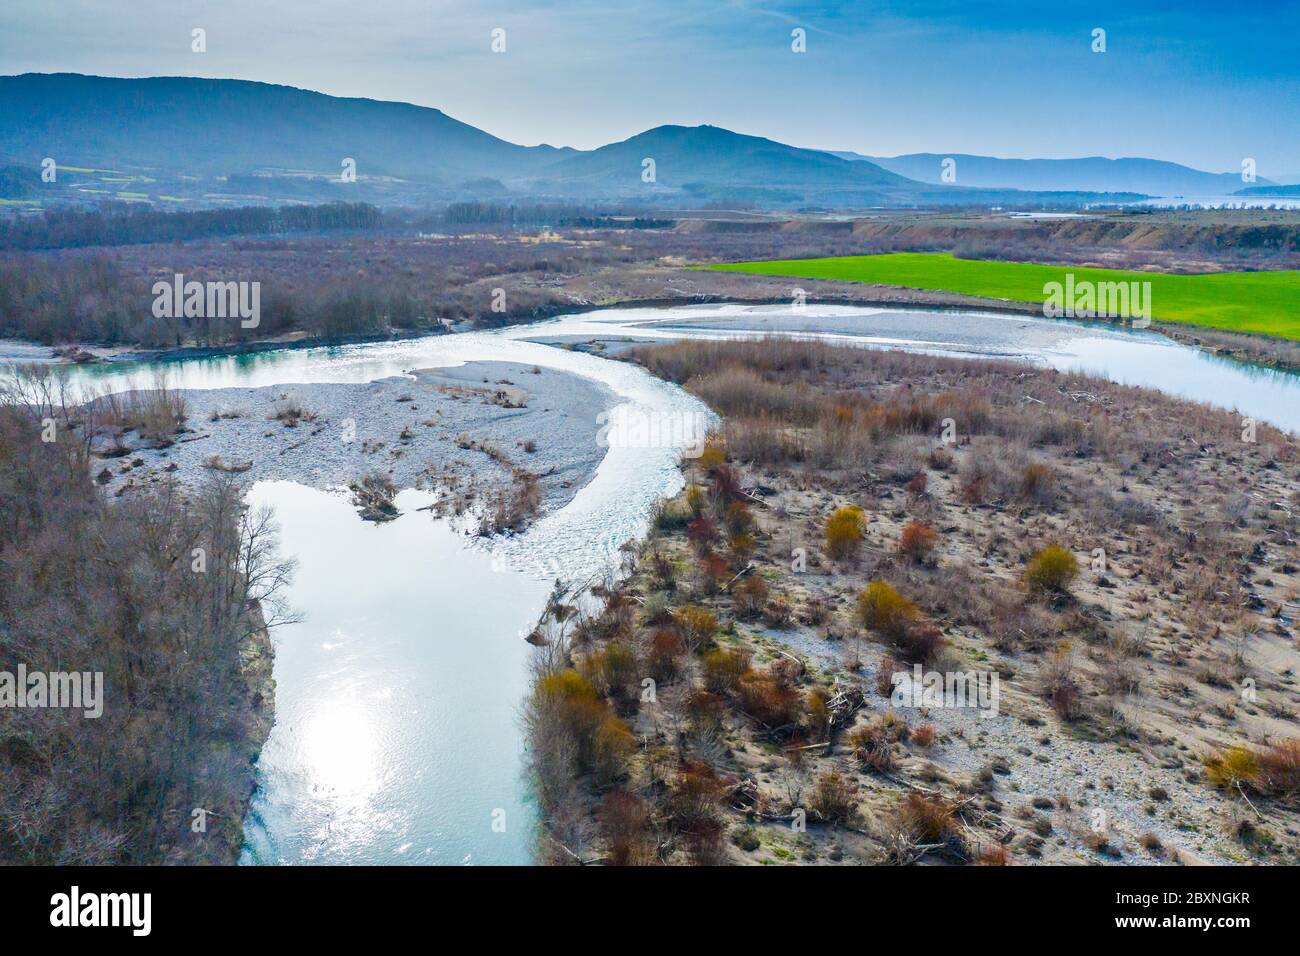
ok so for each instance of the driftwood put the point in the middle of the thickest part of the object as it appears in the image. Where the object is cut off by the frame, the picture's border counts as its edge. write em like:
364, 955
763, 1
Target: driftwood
743, 571
594, 861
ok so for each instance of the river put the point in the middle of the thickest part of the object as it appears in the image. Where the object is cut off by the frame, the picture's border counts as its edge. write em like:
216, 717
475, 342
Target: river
397, 735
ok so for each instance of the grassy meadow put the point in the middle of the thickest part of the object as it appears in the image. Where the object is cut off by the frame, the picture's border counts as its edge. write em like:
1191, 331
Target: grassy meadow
1262, 302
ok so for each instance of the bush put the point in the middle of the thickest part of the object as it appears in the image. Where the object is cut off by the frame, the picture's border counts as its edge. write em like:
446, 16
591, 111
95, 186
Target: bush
696, 624
665, 649
739, 519
835, 798
624, 821
714, 453
777, 613
603, 741
844, 532
694, 798
772, 702
613, 669
994, 855
703, 533
742, 546
817, 714
921, 642
1057, 674
873, 742
723, 669
917, 540
748, 596
1052, 570
1279, 769
883, 610
928, 818
1236, 766
1038, 483
923, 736
696, 500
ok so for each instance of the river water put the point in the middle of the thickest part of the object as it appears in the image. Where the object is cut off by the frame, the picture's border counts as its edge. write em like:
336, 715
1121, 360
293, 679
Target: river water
397, 735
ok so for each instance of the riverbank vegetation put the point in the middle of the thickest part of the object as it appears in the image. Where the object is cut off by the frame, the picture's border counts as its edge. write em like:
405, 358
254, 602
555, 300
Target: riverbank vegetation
1123, 565
166, 594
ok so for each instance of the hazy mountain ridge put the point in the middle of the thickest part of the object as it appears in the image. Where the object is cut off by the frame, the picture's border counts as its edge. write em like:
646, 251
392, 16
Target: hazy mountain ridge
1092, 173
212, 141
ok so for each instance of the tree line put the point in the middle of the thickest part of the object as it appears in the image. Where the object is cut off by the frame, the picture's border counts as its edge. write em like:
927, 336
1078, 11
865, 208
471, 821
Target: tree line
160, 592
120, 224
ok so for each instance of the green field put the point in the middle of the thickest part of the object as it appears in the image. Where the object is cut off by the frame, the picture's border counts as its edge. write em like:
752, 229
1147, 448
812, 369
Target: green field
1265, 302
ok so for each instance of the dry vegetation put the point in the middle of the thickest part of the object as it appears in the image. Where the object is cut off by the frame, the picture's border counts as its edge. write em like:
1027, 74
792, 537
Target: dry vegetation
169, 597
1123, 562
418, 274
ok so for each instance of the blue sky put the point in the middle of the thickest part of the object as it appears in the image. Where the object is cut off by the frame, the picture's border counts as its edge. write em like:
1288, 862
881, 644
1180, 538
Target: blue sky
1202, 83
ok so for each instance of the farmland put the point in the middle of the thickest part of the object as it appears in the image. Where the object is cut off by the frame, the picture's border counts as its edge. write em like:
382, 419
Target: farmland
1259, 302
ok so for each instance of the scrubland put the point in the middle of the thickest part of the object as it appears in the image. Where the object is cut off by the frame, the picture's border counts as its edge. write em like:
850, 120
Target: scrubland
1123, 562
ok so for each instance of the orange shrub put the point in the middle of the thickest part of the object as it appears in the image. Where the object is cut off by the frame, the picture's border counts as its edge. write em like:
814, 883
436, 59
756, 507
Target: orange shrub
1052, 570
767, 700
883, 610
742, 547
923, 736
928, 818
666, 647
1279, 769
723, 669
817, 714
696, 624
844, 532
714, 453
612, 668
603, 741
715, 571
993, 855
917, 540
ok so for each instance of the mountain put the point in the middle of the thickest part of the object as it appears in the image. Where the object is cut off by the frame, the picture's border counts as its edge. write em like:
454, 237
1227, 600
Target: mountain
217, 127
165, 140
1094, 173
704, 157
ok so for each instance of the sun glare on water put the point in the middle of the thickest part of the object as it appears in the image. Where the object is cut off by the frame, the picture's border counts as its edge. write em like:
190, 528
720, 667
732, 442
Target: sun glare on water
342, 749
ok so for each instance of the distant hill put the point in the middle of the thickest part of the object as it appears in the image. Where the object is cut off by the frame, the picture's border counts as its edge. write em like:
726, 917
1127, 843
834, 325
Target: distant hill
1094, 173
206, 142
1282, 192
709, 155
216, 127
